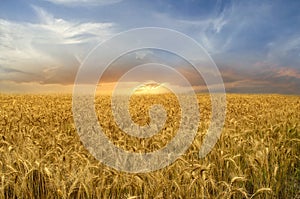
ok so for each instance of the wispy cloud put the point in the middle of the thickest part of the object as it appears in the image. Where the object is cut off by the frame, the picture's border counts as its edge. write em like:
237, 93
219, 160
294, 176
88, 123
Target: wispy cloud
285, 50
272, 79
287, 72
84, 2
68, 32
9, 70
206, 30
48, 51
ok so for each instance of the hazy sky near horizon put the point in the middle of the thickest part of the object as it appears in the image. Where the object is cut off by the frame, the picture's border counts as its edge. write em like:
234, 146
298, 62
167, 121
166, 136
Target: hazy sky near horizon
255, 44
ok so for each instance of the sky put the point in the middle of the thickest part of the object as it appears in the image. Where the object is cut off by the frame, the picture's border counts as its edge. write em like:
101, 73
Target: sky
255, 44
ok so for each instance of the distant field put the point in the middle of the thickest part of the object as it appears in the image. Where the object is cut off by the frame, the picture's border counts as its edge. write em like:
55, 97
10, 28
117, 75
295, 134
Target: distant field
257, 156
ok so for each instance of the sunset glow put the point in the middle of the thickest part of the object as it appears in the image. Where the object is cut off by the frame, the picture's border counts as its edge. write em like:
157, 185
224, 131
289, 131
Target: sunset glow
151, 88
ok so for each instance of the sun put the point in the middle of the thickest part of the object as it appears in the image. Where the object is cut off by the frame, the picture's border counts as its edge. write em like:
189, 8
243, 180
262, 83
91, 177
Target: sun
151, 87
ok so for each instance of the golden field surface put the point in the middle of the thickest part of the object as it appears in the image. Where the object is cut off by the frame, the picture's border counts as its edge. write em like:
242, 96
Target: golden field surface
257, 155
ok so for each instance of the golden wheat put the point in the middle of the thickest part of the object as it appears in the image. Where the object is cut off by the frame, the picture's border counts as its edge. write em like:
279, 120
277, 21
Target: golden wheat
257, 156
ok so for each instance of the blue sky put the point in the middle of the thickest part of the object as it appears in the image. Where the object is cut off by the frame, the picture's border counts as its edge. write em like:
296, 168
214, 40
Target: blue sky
255, 44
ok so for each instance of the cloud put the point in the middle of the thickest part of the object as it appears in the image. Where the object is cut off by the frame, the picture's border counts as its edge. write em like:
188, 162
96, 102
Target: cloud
285, 50
33, 87
9, 70
142, 54
71, 32
11, 73
238, 28
84, 2
270, 79
48, 51
235, 27
206, 30
287, 72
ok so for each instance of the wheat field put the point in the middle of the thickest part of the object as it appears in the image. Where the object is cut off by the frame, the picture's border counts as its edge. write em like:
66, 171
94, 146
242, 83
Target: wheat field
257, 155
